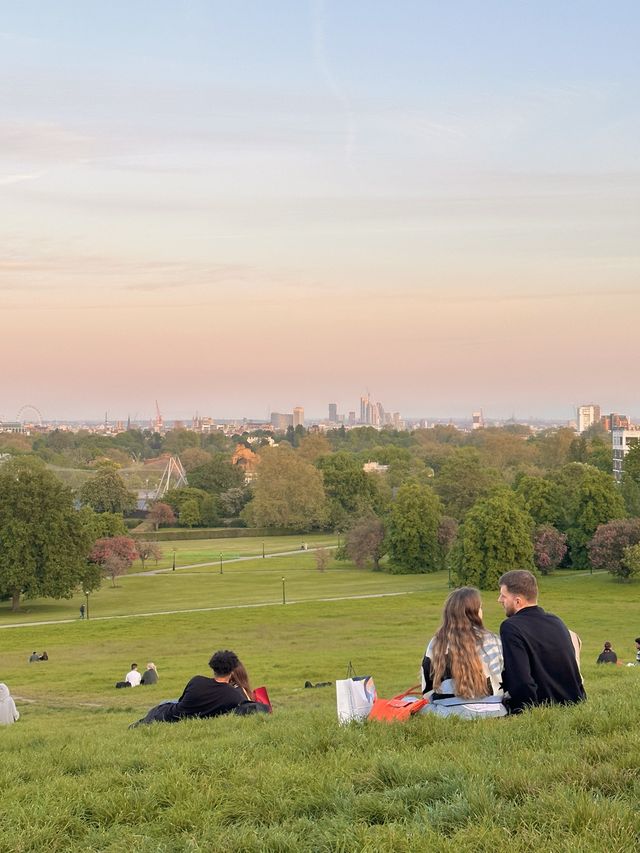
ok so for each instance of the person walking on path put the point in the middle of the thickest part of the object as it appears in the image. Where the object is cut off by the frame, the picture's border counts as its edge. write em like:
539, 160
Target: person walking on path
540, 665
82, 611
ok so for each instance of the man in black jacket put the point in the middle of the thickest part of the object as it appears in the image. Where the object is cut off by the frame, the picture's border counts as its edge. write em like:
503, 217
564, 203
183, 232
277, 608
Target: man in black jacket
540, 664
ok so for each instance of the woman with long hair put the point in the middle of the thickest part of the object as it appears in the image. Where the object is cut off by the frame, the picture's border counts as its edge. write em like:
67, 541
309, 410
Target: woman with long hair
240, 679
463, 659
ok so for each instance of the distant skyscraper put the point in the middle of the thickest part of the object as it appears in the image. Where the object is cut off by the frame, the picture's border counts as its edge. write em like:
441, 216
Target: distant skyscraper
363, 410
352, 418
298, 416
280, 422
477, 420
622, 441
588, 414
333, 413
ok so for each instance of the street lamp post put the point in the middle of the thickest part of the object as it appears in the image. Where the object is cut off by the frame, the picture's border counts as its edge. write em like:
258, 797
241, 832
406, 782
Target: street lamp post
220, 563
86, 593
263, 550
449, 574
174, 560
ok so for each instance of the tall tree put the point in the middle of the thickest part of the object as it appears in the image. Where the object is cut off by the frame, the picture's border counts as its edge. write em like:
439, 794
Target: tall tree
606, 548
463, 479
350, 492
161, 513
413, 529
365, 541
217, 476
107, 492
287, 492
495, 537
45, 541
590, 498
542, 499
549, 548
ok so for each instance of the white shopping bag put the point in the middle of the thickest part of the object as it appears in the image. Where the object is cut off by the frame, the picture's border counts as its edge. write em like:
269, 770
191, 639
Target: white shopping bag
355, 698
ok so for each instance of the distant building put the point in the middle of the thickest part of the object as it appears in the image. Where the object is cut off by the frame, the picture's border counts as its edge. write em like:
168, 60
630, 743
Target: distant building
351, 418
622, 441
587, 415
298, 416
615, 421
280, 422
11, 426
363, 410
375, 468
477, 420
333, 413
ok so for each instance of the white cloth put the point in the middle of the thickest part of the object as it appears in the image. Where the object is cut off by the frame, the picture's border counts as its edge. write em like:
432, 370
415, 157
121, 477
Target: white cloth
134, 678
8, 711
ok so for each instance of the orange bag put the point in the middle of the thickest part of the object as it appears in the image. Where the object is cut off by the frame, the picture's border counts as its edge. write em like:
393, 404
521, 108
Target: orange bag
399, 708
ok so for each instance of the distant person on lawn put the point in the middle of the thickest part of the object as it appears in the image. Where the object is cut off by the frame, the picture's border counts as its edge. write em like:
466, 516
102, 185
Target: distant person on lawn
150, 675
33, 657
540, 665
133, 676
637, 651
607, 655
8, 711
204, 696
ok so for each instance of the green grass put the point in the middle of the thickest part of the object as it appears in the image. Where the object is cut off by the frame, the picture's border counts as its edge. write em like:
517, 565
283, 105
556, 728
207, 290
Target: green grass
562, 779
209, 550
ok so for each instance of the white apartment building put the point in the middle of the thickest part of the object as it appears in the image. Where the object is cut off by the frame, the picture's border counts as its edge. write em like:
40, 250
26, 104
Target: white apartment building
587, 415
622, 440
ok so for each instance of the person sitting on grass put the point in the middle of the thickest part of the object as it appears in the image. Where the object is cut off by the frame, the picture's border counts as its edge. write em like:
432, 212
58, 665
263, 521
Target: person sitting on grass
463, 661
8, 711
240, 679
133, 676
204, 696
150, 675
540, 663
33, 657
607, 655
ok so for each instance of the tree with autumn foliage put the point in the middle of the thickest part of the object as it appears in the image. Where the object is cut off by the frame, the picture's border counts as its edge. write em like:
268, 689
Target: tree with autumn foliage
114, 555
549, 548
161, 513
606, 548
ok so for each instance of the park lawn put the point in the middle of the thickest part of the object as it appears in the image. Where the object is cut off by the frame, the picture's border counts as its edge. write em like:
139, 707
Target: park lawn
562, 779
249, 582
209, 550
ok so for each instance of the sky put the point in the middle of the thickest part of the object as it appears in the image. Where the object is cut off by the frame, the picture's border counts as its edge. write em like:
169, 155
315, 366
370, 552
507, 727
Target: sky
237, 208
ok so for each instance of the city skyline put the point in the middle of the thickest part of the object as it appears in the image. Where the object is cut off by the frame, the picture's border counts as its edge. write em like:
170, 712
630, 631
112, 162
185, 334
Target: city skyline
240, 210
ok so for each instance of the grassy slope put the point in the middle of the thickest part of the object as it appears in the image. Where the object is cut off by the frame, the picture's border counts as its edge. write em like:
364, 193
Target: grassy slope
561, 779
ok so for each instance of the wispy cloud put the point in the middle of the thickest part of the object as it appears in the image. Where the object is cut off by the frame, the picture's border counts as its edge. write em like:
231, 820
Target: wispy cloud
5, 180
319, 17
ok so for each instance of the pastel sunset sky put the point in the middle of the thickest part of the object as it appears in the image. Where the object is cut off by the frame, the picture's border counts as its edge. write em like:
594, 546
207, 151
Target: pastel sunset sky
233, 207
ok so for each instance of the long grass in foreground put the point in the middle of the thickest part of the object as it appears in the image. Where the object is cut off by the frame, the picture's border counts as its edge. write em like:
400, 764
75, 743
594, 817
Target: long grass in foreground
563, 779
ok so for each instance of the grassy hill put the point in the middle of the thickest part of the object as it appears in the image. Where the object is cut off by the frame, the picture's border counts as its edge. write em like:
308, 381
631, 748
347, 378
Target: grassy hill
75, 778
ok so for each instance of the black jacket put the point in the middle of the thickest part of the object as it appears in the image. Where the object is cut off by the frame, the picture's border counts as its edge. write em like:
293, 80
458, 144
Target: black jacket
540, 665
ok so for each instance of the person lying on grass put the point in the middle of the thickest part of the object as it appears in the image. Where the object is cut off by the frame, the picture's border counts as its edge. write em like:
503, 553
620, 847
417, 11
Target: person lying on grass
462, 667
206, 697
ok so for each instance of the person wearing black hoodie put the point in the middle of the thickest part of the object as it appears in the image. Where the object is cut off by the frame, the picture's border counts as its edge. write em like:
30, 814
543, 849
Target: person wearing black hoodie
540, 665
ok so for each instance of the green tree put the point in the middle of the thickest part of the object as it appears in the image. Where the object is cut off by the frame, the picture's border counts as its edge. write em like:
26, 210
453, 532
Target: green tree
45, 541
107, 492
413, 529
350, 492
590, 498
541, 498
217, 476
190, 514
287, 492
495, 537
463, 479
630, 566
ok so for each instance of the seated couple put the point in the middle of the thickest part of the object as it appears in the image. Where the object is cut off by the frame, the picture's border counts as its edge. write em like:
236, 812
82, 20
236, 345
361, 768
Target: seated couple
227, 692
468, 671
